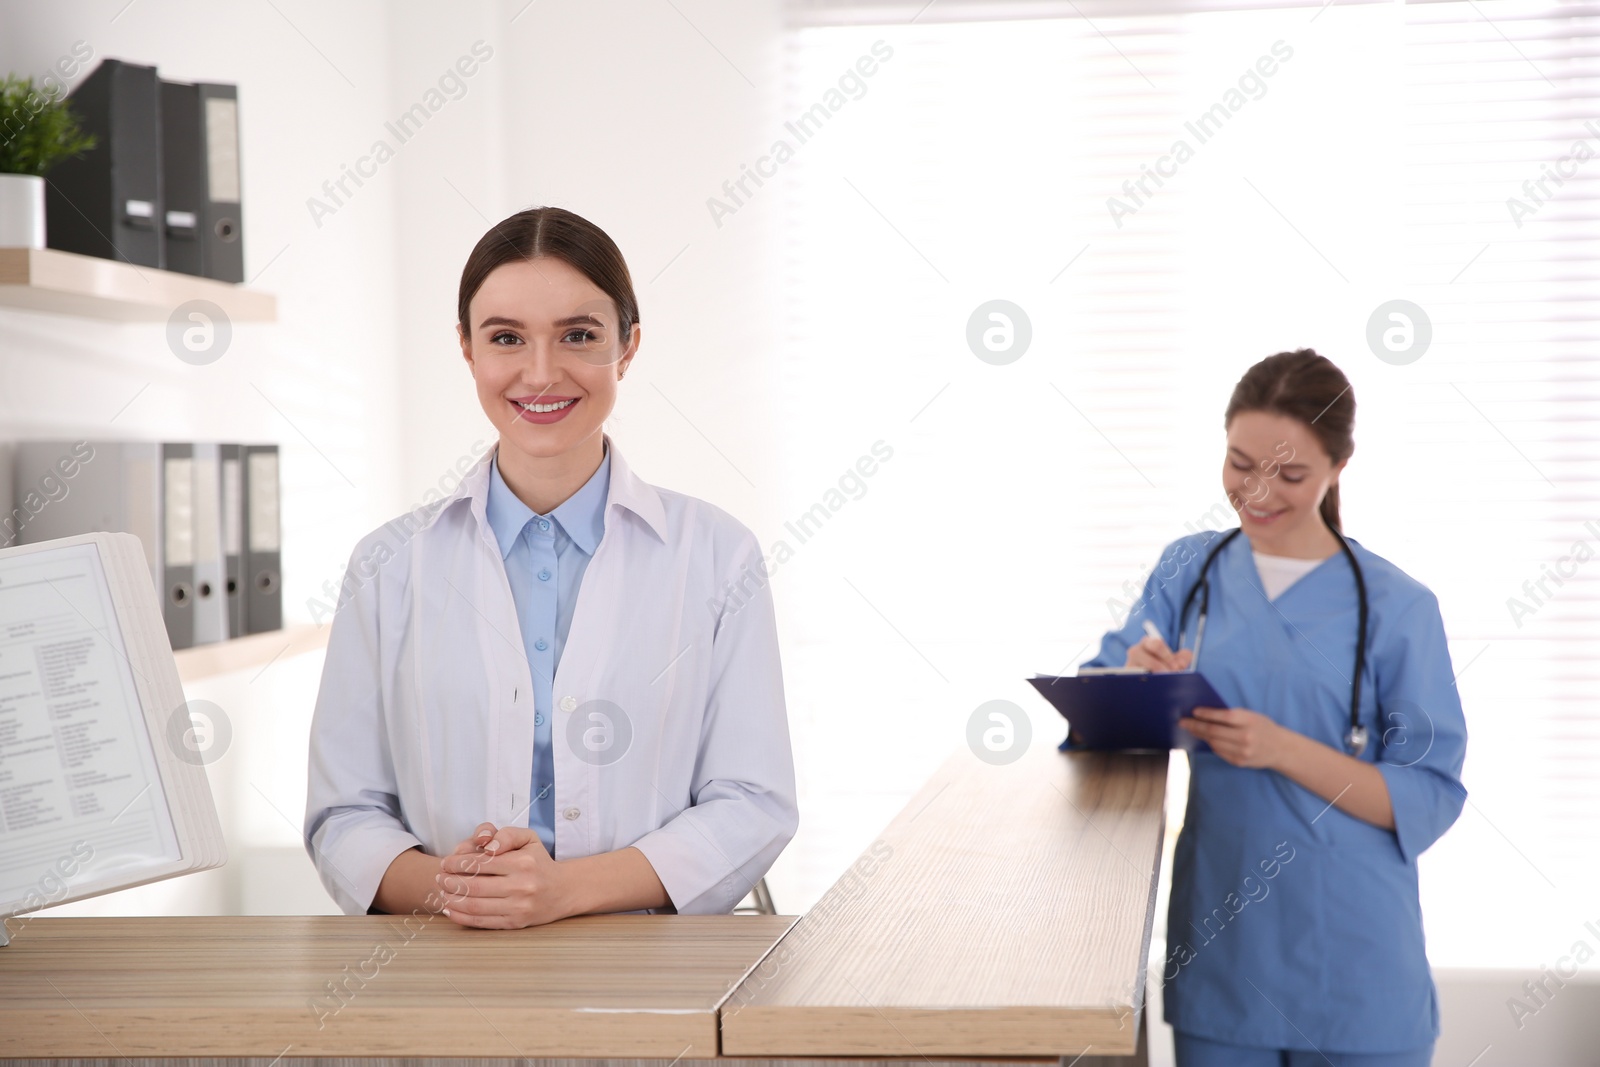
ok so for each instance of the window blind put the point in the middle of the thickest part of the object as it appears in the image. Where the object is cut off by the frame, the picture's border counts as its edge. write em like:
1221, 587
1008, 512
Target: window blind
1392, 153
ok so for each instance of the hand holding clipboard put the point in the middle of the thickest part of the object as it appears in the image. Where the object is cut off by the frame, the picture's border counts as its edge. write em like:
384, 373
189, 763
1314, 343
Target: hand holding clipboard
1128, 708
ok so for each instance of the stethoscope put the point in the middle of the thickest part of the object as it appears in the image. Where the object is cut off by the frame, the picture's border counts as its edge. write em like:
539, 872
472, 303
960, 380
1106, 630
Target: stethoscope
1355, 738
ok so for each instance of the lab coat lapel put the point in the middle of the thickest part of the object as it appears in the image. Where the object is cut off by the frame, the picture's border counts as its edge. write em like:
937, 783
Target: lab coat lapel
606, 624
601, 617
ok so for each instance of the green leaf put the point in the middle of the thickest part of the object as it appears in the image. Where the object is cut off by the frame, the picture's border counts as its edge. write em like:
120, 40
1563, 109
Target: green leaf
37, 130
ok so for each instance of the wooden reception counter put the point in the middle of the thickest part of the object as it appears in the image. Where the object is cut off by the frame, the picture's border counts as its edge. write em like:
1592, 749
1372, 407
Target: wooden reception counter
1005, 914
1006, 910
639, 986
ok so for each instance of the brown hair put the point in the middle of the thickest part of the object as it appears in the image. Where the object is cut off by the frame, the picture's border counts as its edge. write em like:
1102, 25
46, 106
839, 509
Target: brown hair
558, 234
1308, 388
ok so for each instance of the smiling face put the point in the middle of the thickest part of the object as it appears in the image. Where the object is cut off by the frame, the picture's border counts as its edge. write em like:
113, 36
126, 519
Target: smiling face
546, 355
1276, 474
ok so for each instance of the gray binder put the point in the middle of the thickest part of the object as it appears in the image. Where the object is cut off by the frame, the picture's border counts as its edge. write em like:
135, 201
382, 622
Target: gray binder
262, 558
200, 160
210, 592
233, 536
177, 542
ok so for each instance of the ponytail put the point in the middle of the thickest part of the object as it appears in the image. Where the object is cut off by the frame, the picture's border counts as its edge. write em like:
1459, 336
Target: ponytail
1330, 508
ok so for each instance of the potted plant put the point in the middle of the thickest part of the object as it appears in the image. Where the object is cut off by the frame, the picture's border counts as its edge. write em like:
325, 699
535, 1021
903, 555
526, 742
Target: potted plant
37, 131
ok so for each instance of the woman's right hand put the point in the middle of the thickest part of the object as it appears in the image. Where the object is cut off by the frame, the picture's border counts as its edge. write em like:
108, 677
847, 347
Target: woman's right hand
1152, 654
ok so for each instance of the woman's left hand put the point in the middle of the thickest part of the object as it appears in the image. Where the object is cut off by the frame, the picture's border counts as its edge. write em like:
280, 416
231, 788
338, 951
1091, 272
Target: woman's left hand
1243, 737
504, 883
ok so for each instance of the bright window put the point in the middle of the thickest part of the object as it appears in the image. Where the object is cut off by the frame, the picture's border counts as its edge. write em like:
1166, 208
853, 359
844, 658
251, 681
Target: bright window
1380, 159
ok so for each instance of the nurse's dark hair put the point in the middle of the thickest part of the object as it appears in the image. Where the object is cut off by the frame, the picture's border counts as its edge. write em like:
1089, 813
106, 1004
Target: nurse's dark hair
1308, 388
558, 234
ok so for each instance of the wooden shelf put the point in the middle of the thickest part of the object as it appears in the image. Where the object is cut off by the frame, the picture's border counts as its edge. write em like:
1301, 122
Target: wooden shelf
43, 279
244, 653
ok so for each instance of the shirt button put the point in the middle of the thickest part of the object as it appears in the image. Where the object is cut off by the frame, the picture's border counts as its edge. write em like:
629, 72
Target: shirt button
544, 524
571, 813
544, 576
538, 720
568, 703
540, 645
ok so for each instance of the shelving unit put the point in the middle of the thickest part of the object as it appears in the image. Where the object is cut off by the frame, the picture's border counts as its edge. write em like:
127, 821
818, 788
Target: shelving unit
43, 279
253, 652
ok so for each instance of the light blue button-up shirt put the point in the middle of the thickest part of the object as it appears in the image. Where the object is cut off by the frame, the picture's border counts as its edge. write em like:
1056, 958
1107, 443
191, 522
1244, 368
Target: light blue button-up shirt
545, 557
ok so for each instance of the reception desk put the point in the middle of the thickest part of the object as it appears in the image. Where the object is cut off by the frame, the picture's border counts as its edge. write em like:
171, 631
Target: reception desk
1005, 914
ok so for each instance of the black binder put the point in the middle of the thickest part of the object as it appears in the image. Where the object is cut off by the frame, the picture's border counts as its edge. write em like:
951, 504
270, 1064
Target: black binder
200, 157
108, 202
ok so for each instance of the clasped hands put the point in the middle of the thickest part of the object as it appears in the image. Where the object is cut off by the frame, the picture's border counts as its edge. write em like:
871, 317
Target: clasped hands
1240, 736
502, 879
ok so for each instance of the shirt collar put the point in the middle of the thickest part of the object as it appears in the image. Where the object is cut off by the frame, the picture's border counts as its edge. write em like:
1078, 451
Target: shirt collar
626, 490
581, 516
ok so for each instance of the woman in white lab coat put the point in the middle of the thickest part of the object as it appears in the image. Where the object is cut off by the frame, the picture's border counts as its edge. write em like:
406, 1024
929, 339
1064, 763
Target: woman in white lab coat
556, 691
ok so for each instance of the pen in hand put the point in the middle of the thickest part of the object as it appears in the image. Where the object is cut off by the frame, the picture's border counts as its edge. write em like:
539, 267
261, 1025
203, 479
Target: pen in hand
1152, 652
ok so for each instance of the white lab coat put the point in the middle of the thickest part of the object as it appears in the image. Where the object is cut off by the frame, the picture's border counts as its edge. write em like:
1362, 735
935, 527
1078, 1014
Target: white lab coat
424, 723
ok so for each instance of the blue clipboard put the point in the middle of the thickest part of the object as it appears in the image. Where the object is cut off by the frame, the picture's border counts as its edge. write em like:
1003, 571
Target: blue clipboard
1121, 712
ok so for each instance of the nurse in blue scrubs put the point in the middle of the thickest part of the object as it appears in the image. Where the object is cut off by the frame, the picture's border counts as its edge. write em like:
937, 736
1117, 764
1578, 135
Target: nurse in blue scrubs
1295, 933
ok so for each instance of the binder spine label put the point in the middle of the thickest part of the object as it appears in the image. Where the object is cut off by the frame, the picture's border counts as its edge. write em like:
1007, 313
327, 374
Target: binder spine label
263, 480
180, 512
222, 148
232, 501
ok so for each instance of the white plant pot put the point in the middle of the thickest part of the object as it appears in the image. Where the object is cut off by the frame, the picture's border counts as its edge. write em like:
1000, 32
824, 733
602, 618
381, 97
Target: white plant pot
21, 211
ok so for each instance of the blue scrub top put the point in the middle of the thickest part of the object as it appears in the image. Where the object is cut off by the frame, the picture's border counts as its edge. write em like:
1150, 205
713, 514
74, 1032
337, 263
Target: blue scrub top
1293, 925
